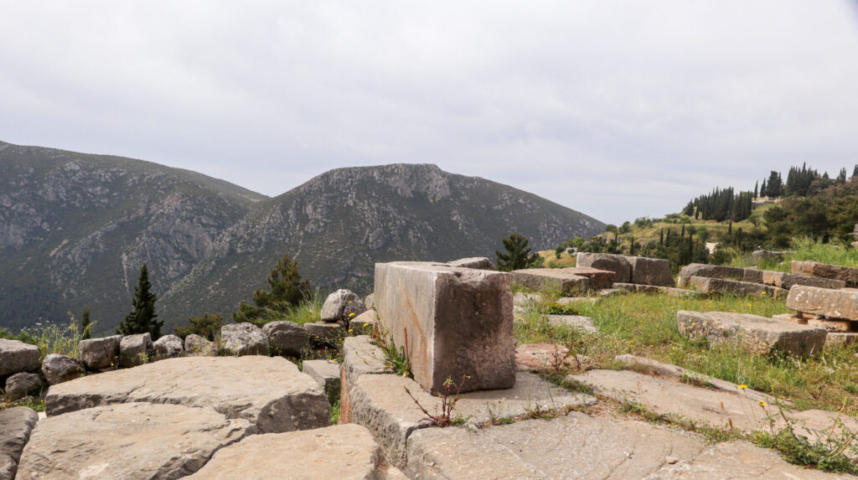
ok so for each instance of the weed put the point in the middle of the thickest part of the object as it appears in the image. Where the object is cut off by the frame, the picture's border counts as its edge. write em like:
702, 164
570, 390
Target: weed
335, 413
444, 416
397, 359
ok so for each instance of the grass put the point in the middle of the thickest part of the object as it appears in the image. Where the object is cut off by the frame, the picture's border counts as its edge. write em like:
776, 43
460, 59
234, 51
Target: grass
805, 248
51, 338
645, 325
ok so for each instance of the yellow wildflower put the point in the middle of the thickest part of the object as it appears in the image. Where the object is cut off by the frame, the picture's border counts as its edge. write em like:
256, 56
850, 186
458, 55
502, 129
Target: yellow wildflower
742, 386
352, 314
365, 324
762, 403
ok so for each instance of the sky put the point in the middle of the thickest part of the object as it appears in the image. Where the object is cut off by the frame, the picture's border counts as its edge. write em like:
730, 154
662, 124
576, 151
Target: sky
616, 109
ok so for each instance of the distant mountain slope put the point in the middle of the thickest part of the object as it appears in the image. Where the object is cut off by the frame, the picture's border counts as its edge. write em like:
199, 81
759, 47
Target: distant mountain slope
339, 224
75, 228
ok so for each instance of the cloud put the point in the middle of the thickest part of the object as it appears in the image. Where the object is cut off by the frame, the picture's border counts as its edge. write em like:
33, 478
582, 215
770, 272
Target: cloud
619, 110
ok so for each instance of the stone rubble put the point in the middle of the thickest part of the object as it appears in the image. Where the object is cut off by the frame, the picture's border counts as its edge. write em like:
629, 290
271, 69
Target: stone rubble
17, 356
168, 346
61, 368
244, 339
135, 350
100, 353
288, 338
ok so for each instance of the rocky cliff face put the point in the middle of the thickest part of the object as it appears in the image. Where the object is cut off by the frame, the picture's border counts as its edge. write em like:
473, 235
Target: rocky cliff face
75, 229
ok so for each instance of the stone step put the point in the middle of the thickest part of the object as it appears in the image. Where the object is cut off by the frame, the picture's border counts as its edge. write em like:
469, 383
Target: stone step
745, 289
822, 270
708, 271
832, 304
788, 280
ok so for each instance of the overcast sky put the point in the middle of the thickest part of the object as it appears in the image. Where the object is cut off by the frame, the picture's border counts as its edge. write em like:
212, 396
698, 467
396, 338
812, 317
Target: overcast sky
617, 109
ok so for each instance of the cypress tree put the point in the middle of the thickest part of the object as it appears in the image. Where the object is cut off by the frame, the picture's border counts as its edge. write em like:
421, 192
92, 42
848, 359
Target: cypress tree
142, 318
85, 325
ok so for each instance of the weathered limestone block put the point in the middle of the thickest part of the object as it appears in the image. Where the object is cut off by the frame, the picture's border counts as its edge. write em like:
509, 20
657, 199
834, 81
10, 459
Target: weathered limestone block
61, 368
833, 304
479, 263
288, 338
128, 441
16, 426
22, 384
16, 356
197, 346
269, 392
604, 261
571, 446
551, 278
364, 323
243, 339
752, 331
458, 321
346, 452
651, 271
341, 306
836, 272
135, 350
788, 280
168, 346
716, 285
752, 275
708, 271
327, 374
322, 333
100, 353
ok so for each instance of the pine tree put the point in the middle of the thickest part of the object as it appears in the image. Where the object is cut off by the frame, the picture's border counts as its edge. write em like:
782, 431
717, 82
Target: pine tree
287, 292
142, 318
517, 254
85, 325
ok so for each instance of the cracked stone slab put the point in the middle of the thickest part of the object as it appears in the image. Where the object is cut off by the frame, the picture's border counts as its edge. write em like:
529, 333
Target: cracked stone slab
16, 425
128, 441
578, 322
345, 452
380, 403
270, 392
575, 446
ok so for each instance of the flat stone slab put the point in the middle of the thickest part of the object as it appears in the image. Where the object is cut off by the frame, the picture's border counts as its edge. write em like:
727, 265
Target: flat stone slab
128, 441
270, 392
567, 447
823, 270
789, 280
559, 279
542, 357
438, 313
381, 404
716, 285
658, 290
16, 425
573, 301
842, 304
751, 331
345, 452
708, 271
579, 322
618, 264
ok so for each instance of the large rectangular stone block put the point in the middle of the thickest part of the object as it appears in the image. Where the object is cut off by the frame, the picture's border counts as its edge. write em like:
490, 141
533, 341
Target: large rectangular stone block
823, 270
560, 279
651, 271
842, 304
708, 271
718, 285
605, 261
788, 280
457, 322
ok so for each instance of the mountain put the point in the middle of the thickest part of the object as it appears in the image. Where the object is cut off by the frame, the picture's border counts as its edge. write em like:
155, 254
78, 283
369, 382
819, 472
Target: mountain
75, 228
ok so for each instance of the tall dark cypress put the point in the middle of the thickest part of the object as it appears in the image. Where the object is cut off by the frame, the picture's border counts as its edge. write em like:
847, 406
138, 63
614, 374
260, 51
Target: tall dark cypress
142, 318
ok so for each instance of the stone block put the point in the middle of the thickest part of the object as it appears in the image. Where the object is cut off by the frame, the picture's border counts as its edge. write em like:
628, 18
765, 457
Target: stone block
135, 350
789, 317
364, 323
832, 304
842, 326
61, 368
551, 278
788, 280
752, 275
323, 333
457, 321
836, 272
270, 392
578, 322
288, 338
128, 441
16, 356
342, 306
100, 353
327, 374
244, 339
657, 290
479, 263
342, 452
716, 285
197, 346
651, 271
604, 261
168, 346
836, 339
757, 333
22, 384
16, 426
708, 271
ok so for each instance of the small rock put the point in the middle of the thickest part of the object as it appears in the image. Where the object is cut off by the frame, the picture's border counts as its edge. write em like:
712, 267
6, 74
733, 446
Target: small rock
342, 305
197, 346
61, 368
100, 353
135, 350
168, 346
244, 339
22, 384
287, 337
16, 356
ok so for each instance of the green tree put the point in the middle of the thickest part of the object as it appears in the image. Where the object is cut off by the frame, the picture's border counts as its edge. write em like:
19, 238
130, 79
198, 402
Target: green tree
85, 325
142, 318
287, 291
206, 326
517, 254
